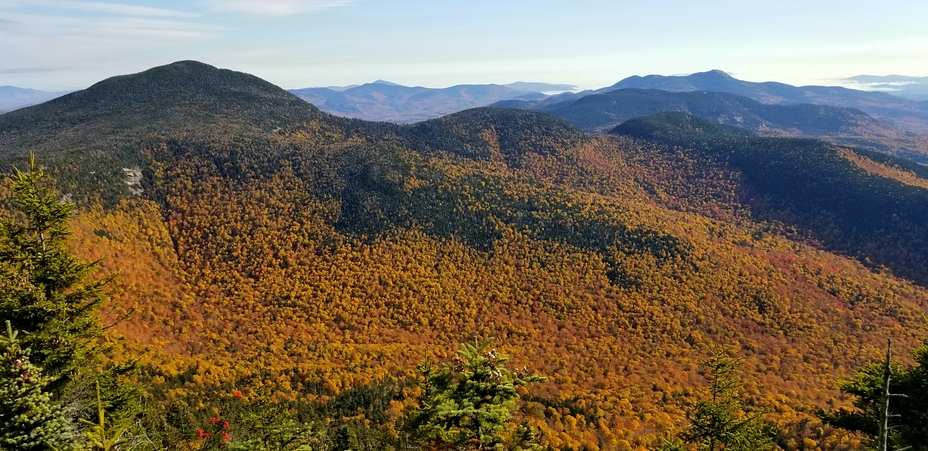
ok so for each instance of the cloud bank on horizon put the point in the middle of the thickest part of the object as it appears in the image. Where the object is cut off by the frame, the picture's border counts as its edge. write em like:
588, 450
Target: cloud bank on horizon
70, 44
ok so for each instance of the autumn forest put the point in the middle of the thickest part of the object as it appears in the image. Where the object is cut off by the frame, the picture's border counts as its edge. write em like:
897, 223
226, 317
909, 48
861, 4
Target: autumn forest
282, 272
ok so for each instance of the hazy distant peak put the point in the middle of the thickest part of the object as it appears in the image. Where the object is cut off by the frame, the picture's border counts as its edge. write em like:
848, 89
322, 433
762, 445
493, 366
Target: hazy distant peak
384, 82
8, 88
12, 97
716, 73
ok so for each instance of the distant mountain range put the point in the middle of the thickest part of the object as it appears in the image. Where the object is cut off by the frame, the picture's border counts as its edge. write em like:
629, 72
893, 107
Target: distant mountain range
385, 101
875, 120
599, 112
12, 98
907, 114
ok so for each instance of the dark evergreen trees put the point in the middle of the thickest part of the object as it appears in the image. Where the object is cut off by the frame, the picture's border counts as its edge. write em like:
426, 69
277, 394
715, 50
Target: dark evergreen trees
44, 291
50, 311
29, 418
909, 425
718, 423
468, 405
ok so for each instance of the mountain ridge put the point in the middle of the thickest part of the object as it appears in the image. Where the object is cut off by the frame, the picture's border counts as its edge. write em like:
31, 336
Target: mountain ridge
402, 104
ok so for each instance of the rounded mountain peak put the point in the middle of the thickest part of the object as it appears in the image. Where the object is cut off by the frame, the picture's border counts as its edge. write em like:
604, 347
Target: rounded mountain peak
167, 99
181, 79
720, 72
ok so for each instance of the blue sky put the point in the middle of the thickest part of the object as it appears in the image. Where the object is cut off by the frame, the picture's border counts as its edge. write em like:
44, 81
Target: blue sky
70, 44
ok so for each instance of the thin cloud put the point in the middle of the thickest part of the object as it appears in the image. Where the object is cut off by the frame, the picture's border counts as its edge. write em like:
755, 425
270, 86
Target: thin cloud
99, 7
27, 70
79, 42
43, 28
276, 7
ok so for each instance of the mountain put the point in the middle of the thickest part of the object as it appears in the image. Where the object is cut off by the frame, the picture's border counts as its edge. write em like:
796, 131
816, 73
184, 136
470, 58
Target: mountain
268, 247
912, 88
907, 114
178, 97
12, 97
385, 101
596, 112
98, 132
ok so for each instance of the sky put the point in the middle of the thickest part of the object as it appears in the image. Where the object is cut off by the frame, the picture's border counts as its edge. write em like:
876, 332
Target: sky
58, 45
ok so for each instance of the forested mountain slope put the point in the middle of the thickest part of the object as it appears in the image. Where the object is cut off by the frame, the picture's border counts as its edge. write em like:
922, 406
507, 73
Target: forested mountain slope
277, 246
858, 203
89, 136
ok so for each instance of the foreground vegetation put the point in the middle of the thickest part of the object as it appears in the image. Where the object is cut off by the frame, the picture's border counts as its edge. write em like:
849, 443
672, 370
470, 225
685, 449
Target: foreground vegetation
474, 402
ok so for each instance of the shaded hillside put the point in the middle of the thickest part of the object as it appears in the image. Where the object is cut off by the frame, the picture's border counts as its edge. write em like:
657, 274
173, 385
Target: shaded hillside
501, 134
859, 209
382, 101
906, 114
330, 253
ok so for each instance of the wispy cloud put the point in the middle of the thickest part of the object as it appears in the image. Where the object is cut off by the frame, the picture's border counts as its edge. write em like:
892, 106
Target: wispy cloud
276, 7
98, 7
47, 27
26, 70
92, 44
